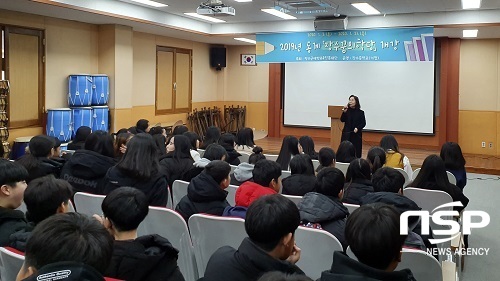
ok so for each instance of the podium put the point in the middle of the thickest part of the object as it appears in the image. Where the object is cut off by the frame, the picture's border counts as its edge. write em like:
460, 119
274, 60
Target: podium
334, 112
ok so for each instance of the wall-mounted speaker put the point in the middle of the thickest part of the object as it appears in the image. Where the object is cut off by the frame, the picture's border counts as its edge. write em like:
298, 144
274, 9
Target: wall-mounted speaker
218, 57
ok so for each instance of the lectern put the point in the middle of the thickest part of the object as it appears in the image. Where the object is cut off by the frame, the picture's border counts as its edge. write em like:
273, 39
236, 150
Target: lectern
334, 112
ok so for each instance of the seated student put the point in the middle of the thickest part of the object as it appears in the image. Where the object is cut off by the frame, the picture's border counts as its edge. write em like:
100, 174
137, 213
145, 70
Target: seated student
44, 197
179, 130
323, 208
206, 192
80, 136
394, 157
302, 178
213, 152
86, 169
38, 162
388, 186
56, 154
358, 181
376, 158
346, 152
120, 144
227, 141
266, 180
244, 140
178, 159
139, 168
73, 245
148, 257
12, 186
270, 246
243, 172
142, 126
194, 140
326, 157
289, 149
306, 146
454, 162
372, 232
212, 135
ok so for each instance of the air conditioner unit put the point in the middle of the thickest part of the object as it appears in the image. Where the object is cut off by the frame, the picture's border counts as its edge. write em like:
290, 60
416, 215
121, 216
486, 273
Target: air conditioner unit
335, 23
216, 11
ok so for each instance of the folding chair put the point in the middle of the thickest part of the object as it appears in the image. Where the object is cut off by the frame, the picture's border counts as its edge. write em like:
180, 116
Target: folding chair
342, 166
293, 198
351, 207
233, 168
12, 261
231, 194
88, 204
285, 174
451, 178
317, 250
422, 265
179, 190
415, 174
315, 164
405, 175
171, 225
209, 233
244, 157
201, 152
271, 157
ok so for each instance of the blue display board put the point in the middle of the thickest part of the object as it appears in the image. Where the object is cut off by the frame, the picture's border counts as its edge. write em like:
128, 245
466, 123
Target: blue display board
390, 44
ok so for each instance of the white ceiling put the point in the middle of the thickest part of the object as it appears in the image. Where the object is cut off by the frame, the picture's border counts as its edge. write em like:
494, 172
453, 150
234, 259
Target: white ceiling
447, 15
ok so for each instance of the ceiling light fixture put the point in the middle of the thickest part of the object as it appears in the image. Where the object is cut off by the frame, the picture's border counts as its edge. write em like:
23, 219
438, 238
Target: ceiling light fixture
195, 15
246, 40
279, 14
243, 1
471, 4
366, 8
150, 3
470, 33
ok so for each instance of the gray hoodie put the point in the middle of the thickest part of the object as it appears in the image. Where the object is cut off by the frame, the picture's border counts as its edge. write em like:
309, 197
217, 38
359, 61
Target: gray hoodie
201, 163
243, 172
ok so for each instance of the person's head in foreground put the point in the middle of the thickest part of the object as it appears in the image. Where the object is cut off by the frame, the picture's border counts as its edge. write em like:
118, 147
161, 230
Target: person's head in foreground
270, 223
387, 179
124, 209
73, 244
372, 232
330, 182
12, 184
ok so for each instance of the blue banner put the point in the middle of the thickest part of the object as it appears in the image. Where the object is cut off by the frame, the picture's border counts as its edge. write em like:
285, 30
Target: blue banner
390, 44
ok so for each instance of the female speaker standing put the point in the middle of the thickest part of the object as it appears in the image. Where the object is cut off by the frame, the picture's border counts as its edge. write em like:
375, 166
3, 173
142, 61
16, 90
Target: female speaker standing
354, 122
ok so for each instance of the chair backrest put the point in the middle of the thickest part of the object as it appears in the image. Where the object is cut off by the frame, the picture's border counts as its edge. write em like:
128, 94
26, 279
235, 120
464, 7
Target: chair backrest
179, 190
351, 207
423, 265
285, 174
88, 204
22, 207
293, 198
201, 152
342, 166
71, 207
415, 173
231, 194
233, 168
315, 164
317, 250
451, 178
209, 233
271, 157
171, 225
11, 263
244, 157
350, 254
405, 175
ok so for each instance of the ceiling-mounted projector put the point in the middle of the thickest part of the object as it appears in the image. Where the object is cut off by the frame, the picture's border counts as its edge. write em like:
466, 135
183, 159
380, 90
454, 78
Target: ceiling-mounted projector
215, 8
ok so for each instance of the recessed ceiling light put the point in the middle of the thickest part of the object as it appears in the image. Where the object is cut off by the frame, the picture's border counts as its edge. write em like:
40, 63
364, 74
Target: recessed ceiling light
151, 3
243, 1
279, 14
366, 8
471, 4
470, 33
195, 15
246, 40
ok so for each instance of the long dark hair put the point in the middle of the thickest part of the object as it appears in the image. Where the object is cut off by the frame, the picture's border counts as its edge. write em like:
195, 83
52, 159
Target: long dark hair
245, 137
376, 156
212, 135
182, 147
160, 141
346, 152
141, 157
358, 105
433, 170
193, 139
289, 147
119, 140
100, 142
307, 144
389, 142
358, 169
227, 141
451, 153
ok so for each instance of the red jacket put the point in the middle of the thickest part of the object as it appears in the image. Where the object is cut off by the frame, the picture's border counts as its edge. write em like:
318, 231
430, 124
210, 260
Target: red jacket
249, 192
